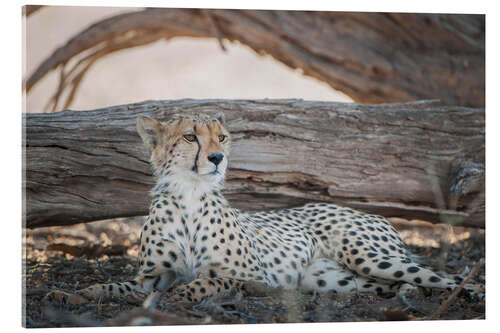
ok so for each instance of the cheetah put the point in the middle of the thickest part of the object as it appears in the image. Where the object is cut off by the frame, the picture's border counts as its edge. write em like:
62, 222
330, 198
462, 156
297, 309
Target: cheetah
195, 244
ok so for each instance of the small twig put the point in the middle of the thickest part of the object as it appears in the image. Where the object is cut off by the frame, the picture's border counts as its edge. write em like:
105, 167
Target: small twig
40, 264
74, 75
75, 82
457, 290
101, 270
55, 98
214, 27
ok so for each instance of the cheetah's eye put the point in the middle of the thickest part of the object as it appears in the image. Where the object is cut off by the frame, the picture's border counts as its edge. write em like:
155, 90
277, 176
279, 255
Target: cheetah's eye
190, 138
222, 138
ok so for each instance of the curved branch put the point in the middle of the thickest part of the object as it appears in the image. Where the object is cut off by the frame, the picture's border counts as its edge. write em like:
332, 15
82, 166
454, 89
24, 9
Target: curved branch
115, 29
372, 57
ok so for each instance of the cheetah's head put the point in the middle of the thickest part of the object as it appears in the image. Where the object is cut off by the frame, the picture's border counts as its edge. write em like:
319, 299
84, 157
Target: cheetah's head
187, 150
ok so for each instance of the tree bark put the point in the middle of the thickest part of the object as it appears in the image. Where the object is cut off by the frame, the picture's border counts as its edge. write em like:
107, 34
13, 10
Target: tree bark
371, 57
412, 160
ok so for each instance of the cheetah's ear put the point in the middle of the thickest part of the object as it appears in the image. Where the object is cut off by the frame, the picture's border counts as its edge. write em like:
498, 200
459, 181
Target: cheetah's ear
149, 130
221, 118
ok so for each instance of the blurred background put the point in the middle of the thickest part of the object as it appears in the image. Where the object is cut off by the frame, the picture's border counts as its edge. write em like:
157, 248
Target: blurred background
182, 67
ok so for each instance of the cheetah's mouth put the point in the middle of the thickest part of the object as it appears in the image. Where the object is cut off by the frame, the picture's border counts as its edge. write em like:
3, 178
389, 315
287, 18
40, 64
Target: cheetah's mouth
215, 172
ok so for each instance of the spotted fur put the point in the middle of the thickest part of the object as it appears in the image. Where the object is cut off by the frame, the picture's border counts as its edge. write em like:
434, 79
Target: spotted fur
195, 244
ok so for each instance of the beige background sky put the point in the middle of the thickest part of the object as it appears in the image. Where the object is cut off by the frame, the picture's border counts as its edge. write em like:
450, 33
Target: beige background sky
179, 68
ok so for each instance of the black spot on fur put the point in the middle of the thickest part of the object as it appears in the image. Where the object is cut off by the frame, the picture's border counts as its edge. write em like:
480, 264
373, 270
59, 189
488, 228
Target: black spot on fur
434, 279
384, 265
359, 261
398, 274
413, 269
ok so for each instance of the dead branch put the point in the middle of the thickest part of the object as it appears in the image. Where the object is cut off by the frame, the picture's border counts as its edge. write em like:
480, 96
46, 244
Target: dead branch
86, 166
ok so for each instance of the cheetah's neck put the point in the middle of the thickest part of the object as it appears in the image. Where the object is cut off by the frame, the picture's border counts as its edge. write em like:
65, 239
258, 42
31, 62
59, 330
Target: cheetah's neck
188, 221
185, 187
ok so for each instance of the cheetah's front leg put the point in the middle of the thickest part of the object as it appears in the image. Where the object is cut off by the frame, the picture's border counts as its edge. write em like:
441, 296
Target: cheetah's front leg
136, 289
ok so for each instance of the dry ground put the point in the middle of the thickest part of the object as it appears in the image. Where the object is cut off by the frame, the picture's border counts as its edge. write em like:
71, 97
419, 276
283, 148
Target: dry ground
75, 257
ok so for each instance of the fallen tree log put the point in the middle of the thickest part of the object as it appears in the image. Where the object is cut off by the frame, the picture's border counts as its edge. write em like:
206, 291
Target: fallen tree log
412, 160
371, 57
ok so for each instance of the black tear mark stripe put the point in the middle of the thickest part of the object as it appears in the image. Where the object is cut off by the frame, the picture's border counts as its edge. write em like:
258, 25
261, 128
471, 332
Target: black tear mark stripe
195, 166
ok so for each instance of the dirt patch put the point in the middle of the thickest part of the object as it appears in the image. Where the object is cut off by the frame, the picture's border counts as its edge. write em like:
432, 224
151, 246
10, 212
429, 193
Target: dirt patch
76, 257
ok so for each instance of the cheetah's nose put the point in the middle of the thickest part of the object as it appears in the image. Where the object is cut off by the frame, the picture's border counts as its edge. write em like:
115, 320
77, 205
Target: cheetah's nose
215, 158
